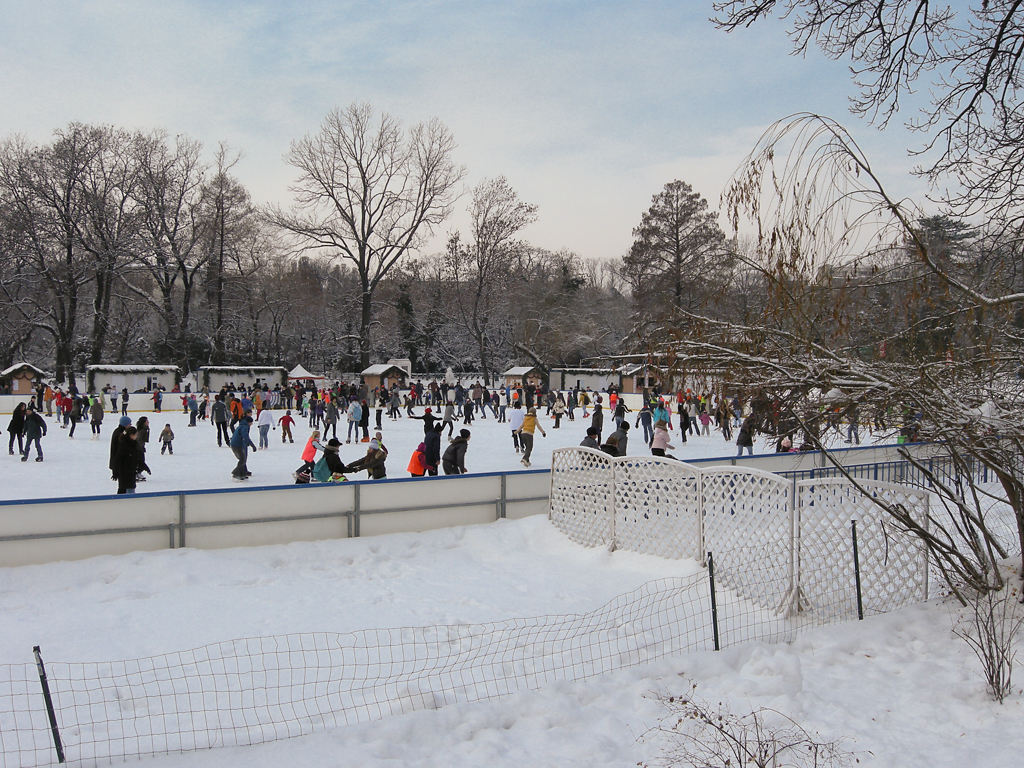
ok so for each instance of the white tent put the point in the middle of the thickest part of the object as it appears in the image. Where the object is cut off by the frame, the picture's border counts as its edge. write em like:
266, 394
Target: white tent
300, 373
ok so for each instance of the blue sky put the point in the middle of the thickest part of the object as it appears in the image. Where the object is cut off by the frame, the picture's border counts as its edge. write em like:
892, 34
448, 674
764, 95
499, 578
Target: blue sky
588, 108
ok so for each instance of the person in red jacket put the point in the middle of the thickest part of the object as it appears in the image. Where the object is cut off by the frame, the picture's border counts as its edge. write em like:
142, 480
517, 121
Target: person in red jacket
286, 422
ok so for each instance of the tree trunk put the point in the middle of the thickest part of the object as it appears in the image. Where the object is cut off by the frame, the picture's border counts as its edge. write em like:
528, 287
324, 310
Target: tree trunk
101, 311
364, 328
186, 321
218, 283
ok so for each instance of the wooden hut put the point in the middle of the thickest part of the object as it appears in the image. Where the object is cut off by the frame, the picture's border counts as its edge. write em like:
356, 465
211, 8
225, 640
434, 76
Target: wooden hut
384, 373
523, 374
20, 378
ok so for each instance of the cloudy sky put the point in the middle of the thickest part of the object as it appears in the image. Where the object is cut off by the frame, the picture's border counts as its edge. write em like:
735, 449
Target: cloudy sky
587, 107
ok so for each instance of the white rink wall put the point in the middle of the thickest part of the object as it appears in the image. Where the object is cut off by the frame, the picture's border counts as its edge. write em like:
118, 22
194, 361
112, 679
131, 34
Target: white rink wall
47, 530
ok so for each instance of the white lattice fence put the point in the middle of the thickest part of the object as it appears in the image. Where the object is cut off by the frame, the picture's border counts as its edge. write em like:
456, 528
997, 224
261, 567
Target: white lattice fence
748, 510
583, 495
657, 506
893, 563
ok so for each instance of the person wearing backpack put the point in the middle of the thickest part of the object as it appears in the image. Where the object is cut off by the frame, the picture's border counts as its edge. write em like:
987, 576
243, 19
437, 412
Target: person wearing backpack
354, 414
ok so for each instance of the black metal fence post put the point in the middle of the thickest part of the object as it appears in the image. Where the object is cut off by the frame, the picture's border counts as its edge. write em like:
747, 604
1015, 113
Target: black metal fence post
714, 600
49, 705
856, 571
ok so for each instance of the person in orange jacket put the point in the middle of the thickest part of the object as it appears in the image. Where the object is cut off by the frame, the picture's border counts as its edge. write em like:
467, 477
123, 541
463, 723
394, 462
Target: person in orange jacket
235, 406
418, 461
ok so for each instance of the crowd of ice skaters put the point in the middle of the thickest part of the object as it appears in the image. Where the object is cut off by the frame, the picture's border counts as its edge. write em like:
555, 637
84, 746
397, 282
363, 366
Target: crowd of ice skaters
233, 410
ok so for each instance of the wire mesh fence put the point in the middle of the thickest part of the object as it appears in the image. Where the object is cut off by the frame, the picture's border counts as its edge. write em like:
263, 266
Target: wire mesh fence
782, 558
252, 690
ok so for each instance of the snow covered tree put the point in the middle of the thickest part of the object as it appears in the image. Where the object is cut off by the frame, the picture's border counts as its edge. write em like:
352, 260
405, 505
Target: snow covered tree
479, 270
44, 211
172, 253
827, 225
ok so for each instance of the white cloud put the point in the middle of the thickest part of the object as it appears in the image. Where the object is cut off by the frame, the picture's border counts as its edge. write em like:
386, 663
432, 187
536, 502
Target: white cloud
589, 108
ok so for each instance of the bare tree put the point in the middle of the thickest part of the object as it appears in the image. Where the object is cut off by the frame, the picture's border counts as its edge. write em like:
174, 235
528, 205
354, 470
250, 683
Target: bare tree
174, 229
828, 228
110, 227
367, 192
968, 61
45, 209
809, 187
230, 216
478, 271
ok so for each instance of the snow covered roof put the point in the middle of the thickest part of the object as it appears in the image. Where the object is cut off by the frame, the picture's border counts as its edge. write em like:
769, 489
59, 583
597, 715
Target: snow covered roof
241, 368
138, 368
633, 369
18, 367
833, 395
382, 368
298, 372
593, 371
522, 370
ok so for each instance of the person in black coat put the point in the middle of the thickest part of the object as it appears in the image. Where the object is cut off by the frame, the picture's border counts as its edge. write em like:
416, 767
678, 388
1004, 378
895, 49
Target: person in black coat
115, 442
128, 460
364, 420
142, 426
432, 448
14, 428
745, 439
597, 419
428, 418
332, 457
34, 428
454, 459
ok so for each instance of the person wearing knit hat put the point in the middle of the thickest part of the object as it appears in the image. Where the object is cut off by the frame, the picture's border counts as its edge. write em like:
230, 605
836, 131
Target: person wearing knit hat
122, 424
428, 418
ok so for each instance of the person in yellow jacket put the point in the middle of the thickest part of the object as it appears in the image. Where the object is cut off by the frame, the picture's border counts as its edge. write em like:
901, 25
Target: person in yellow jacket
530, 423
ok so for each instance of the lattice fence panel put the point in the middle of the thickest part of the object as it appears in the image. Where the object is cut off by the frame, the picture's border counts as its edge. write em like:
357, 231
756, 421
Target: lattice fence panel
893, 563
746, 508
657, 507
582, 495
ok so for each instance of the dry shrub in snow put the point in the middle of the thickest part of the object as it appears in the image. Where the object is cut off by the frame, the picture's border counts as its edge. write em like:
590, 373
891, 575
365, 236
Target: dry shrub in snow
990, 625
698, 733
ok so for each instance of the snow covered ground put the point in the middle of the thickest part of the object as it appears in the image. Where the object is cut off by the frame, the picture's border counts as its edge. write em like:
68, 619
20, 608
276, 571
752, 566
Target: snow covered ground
78, 467
901, 689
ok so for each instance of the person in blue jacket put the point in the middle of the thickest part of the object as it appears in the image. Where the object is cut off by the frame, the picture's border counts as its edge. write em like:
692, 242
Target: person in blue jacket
240, 444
